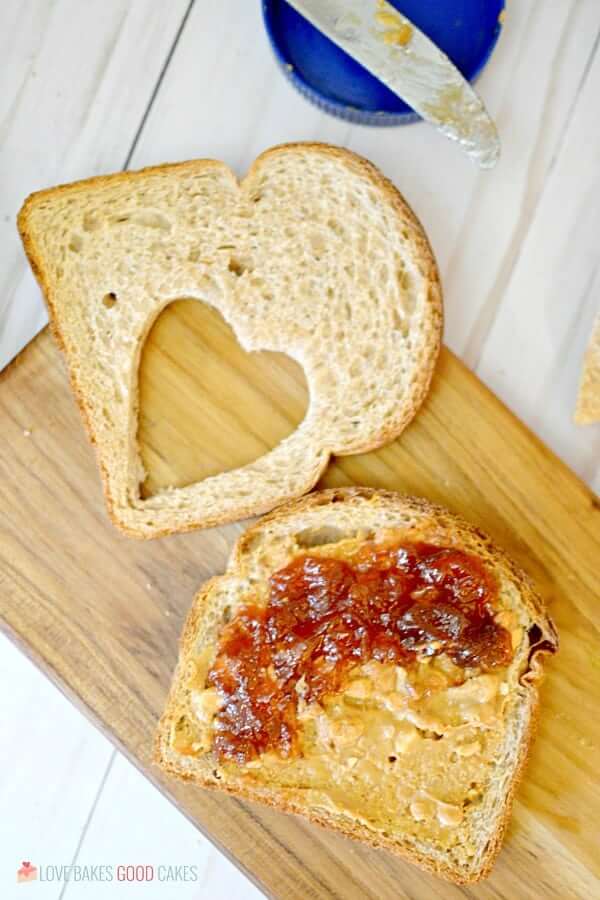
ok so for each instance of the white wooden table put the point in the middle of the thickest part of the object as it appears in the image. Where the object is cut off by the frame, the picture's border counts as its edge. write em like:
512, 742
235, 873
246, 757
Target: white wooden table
95, 86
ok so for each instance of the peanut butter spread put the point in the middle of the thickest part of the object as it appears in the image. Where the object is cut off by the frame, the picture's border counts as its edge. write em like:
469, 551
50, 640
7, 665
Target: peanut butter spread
400, 722
396, 30
370, 749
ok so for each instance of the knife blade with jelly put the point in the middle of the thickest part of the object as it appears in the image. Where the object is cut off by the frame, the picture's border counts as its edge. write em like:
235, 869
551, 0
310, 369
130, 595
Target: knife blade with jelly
403, 58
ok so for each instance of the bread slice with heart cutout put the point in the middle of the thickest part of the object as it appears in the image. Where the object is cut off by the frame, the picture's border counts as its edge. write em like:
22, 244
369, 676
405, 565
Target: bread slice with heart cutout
313, 254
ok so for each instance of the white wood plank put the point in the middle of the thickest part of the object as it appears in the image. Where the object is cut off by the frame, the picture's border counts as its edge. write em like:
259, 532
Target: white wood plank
51, 767
223, 96
533, 355
75, 81
133, 824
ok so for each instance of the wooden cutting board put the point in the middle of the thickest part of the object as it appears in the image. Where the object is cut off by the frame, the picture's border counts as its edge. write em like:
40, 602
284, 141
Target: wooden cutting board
101, 613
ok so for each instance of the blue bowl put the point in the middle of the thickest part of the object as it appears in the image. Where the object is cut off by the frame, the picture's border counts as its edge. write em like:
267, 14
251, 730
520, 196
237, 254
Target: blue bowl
466, 30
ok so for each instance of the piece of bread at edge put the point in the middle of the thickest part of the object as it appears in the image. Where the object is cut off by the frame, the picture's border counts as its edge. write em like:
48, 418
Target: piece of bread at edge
314, 254
492, 753
587, 410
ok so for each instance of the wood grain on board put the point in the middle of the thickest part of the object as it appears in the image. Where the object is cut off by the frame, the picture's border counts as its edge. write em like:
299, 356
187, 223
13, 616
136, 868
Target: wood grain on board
102, 612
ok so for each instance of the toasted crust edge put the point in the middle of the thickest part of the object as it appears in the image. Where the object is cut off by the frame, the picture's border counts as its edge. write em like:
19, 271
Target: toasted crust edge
530, 680
587, 407
421, 247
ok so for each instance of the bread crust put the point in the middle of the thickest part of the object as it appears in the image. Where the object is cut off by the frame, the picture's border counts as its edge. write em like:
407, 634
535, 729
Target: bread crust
421, 251
587, 410
463, 531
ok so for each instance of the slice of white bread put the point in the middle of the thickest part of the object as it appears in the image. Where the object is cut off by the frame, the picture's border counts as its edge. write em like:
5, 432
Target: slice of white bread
431, 780
314, 254
587, 410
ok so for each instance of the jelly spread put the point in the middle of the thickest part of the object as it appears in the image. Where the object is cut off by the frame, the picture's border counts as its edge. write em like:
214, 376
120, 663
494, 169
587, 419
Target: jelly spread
326, 615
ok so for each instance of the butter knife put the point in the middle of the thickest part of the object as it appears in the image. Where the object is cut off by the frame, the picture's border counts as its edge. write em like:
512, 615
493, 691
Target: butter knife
396, 52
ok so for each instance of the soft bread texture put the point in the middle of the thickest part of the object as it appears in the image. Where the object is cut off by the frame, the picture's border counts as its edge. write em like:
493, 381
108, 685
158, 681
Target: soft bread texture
314, 254
587, 410
323, 522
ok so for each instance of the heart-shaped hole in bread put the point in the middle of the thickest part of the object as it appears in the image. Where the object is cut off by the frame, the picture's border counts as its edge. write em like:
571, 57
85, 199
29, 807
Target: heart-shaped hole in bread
206, 405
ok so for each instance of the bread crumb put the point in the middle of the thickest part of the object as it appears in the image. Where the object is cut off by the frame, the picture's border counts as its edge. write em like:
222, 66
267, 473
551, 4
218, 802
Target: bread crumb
27, 432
